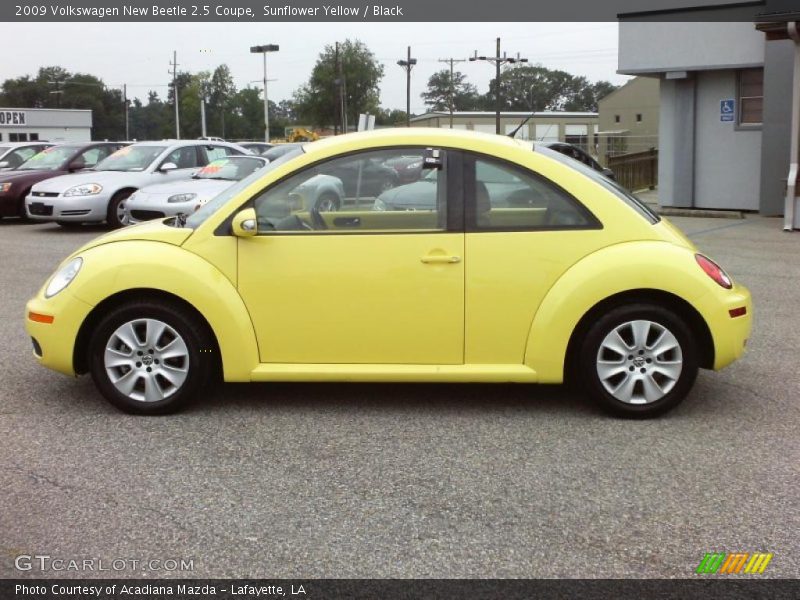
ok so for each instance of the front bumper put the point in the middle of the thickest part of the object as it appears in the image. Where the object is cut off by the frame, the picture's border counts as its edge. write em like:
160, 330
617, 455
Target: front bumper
55, 340
75, 208
148, 208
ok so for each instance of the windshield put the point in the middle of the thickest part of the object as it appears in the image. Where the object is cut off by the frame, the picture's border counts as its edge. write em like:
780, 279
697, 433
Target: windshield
131, 158
230, 169
208, 209
49, 159
607, 183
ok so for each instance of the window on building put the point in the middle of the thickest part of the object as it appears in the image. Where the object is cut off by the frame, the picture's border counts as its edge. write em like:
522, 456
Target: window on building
638, 117
751, 96
17, 137
616, 119
1, 137
34, 137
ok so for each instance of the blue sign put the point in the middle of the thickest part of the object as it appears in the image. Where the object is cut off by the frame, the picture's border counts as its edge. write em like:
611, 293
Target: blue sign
727, 110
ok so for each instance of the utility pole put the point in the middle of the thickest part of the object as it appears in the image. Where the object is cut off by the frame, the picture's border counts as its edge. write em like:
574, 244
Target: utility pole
452, 88
263, 49
125, 102
203, 109
408, 64
174, 65
341, 91
498, 60
57, 91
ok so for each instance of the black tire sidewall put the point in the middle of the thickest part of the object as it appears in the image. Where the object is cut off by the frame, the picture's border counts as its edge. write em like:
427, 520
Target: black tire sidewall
192, 334
113, 204
615, 317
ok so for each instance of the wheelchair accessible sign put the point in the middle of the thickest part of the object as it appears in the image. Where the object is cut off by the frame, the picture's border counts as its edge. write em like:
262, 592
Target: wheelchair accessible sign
727, 110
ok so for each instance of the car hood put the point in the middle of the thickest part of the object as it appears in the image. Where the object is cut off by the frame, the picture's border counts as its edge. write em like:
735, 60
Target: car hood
29, 175
151, 231
104, 178
204, 188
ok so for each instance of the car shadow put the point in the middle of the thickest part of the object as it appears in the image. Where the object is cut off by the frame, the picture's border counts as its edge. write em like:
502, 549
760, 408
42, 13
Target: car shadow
440, 398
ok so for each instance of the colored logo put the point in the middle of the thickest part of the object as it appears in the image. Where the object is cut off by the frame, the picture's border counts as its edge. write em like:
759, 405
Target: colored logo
733, 563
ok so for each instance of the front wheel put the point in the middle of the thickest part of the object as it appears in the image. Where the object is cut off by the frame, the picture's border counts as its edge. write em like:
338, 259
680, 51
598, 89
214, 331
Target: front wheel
639, 360
150, 358
117, 215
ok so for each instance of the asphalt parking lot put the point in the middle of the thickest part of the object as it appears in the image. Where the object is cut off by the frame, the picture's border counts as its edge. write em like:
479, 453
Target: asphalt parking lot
302, 480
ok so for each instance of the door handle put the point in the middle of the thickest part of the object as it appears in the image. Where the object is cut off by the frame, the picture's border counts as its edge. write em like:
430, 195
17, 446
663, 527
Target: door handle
440, 259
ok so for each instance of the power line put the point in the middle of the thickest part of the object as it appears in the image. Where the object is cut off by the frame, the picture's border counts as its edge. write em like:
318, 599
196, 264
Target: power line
497, 61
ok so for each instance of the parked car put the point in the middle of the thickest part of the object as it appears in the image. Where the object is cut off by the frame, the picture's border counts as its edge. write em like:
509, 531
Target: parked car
100, 194
256, 147
186, 196
279, 150
50, 162
13, 154
587, 286
578, 154
408, 168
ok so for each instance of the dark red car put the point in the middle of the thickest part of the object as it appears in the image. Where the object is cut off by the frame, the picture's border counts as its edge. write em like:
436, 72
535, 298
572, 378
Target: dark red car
51, 162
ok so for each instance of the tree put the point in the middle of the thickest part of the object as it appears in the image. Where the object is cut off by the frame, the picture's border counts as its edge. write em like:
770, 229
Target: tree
390, 117
222, 93
316, 101
437, 96
537, 88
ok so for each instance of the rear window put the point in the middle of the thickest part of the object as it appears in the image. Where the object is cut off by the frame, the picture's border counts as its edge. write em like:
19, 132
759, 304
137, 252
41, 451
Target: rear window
611, 185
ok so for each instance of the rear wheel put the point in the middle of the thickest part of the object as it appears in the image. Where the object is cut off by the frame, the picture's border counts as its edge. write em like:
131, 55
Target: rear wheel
639, 360
117, 215
150, 358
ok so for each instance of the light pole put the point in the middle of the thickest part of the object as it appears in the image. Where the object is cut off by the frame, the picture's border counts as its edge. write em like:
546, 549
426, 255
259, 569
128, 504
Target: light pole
408, 64
263, 51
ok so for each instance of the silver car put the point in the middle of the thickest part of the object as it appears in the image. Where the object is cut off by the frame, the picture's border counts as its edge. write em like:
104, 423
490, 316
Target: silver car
185, 197
13, 154
100, 194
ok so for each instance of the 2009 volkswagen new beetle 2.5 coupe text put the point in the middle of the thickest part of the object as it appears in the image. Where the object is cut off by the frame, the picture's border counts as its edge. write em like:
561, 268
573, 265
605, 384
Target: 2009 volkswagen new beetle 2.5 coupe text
527, 267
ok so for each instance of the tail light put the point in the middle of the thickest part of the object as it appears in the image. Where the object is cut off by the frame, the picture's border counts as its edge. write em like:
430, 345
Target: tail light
714, 271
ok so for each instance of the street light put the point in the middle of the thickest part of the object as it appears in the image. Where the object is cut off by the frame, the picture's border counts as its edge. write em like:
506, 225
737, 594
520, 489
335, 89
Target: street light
263, 50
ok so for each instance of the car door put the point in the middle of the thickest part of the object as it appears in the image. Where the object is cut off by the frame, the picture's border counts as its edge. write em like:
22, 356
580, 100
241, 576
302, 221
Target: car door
354, 286
187, 159
524, 230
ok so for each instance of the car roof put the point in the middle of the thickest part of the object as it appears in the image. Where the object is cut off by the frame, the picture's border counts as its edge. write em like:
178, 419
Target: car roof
31, 143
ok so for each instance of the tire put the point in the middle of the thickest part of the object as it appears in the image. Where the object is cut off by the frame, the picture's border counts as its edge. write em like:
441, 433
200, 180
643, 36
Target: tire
638, 361
328, 202
116, 208
172, 358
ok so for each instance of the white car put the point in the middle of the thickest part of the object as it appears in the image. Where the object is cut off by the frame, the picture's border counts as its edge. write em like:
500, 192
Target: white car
13, 154
99, 194
185, 197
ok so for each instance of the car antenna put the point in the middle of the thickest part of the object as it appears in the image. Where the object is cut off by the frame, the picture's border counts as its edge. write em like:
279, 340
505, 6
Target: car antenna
521, 125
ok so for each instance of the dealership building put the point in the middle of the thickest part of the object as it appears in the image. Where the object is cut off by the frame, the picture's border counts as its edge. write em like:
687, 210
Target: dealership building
51, 124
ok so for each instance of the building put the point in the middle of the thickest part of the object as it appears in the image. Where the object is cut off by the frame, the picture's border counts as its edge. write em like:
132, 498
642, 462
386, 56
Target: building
725, 102
574, 127
51, 124
628, 118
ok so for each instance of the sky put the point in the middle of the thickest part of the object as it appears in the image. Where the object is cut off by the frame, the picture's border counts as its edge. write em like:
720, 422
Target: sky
139, 54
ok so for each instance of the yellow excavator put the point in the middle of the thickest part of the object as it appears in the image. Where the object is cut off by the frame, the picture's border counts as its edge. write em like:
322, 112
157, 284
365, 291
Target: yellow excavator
301, 134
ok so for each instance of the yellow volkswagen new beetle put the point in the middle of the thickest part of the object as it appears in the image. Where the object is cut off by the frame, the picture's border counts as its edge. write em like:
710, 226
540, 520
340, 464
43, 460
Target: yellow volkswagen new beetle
498, 262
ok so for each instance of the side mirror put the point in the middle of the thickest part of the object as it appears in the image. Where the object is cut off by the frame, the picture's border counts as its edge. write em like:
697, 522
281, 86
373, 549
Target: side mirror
4, 164
167, 167
245, 223
76, 165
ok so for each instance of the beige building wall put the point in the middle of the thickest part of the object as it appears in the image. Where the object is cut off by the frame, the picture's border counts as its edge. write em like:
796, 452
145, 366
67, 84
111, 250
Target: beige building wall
628, 118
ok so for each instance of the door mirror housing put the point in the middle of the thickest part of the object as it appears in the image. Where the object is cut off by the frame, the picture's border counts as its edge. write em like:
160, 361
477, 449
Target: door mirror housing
167, 167
245, 223
76, 165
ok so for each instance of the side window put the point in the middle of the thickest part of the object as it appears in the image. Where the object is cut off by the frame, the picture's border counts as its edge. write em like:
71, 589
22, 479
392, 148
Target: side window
507, 197
184, 158
384, 190
216, 152
91, 157
17, 157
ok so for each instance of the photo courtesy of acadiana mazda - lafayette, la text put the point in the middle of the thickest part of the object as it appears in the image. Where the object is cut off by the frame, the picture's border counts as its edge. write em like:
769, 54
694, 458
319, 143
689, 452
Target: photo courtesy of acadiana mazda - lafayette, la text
575, 280
98, 195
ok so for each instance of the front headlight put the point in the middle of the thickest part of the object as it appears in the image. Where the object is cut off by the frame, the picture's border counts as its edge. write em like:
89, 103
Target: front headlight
86, 189
181, 198
4, 187
63, 277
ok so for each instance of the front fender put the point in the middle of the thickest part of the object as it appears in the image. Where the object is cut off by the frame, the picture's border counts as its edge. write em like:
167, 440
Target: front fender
651, 265
107, 271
